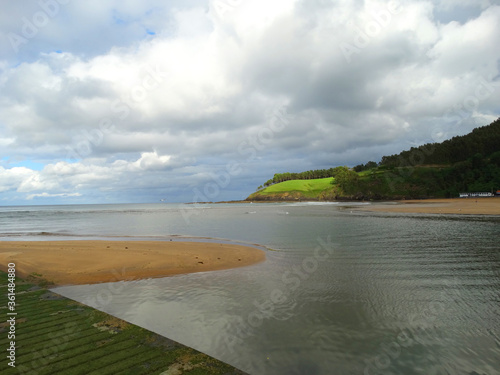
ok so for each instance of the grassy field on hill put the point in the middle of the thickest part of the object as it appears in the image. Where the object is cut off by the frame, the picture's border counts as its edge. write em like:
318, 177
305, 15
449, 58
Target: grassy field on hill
307, 187
295, 190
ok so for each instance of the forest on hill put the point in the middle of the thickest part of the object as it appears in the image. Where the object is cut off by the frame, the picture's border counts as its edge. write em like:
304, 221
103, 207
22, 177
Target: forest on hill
483, 141
467, 163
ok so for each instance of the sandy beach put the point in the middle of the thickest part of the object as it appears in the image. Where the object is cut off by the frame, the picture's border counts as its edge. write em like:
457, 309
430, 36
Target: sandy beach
470, 206
90, 262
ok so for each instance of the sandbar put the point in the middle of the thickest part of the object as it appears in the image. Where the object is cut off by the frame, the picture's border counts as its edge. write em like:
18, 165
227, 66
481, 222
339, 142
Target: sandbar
91, 262
468, 206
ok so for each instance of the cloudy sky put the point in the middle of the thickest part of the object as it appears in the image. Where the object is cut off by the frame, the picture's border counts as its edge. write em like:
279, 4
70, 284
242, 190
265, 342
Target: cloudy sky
137, 101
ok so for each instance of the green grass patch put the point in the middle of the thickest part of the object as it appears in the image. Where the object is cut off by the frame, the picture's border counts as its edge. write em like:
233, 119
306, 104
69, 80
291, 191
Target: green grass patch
304, 186
297, 188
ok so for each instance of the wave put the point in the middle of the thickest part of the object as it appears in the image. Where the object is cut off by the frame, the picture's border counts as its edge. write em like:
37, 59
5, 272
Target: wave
41, 234
78, 212
88, 209
297, 204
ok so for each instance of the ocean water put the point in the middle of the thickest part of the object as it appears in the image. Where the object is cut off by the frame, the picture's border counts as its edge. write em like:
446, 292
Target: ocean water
341, 292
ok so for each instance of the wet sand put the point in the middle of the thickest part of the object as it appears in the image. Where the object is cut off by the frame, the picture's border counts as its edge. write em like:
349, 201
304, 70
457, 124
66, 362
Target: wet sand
470, 206
90, 262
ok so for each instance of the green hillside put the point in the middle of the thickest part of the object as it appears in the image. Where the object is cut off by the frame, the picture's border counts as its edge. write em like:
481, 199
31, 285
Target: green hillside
295, 190
305, 186
462, 164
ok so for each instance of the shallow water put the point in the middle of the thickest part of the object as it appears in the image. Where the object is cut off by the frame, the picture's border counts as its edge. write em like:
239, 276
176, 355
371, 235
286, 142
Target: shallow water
342, 292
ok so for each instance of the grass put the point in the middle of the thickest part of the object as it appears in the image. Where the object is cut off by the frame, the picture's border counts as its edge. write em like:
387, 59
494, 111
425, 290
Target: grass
307, 188
55, 335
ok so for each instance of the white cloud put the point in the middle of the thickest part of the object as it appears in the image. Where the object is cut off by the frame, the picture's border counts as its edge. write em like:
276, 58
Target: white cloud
62, 179
11, 178
152, 161
6, 141
476, 51
47, 195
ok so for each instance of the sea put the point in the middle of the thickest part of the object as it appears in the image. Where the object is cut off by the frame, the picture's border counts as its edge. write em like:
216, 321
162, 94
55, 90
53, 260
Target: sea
343, 291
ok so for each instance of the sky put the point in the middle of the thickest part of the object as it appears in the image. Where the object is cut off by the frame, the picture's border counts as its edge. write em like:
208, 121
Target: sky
125, 101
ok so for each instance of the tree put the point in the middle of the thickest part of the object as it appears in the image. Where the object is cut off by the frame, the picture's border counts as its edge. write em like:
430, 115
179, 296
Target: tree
346, 179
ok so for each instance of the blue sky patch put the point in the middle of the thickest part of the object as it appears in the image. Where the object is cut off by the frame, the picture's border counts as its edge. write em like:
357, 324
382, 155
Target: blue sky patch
27, 164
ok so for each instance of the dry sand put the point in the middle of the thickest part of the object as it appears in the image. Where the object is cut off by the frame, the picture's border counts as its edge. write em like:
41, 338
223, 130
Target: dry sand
89, 262
471, 206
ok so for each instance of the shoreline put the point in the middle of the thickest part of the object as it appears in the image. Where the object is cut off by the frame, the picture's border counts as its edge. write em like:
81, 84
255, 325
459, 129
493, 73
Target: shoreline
459, 206
79, 262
